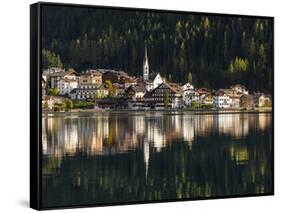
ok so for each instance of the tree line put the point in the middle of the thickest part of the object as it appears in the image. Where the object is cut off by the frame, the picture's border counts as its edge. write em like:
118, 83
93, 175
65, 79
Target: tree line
214, 51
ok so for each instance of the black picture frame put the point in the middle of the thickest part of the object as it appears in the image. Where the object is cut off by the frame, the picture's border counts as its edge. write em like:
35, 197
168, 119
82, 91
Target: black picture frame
36, 99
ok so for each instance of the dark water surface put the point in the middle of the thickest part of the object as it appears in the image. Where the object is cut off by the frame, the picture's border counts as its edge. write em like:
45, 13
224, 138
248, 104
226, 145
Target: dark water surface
94, 158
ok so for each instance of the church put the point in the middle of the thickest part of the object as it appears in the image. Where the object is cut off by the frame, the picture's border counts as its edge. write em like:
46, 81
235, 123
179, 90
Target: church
151, 80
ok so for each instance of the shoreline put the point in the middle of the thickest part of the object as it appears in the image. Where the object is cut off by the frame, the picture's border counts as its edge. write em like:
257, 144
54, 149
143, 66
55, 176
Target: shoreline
188, 111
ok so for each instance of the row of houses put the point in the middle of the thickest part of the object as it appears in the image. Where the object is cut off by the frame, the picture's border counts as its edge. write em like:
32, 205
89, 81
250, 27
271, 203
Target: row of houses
186, 96
150, 91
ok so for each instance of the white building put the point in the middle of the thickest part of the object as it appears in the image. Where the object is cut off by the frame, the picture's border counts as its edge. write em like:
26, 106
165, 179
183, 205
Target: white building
148, 85
240, 89
50, 71
190, 97
188, 94
221, 100
65, 82
65, 86
136, 92
50, 101
154, 81
234, 96
187, 87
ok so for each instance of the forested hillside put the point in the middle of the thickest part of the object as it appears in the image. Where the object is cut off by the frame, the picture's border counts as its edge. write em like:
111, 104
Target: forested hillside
217, 51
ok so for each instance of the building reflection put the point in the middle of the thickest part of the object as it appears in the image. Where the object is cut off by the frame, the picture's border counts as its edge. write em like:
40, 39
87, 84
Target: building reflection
154, 156
151, 131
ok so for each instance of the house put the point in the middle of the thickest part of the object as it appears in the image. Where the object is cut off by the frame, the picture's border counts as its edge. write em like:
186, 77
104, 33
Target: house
240, 89
51, 70
135, 92
102, 91
119, 77
207, 100
189, 94
148, 85
49, 102
90, 78
65, 82
127, 81
235, 101
204, 96
154, 81
90, 86
85, 93
187, 87
221, 100
120, 89
203, 91
190, 98
156, 97
113, 76
234, 97
247, 101
65, 86
262, 100
135, 95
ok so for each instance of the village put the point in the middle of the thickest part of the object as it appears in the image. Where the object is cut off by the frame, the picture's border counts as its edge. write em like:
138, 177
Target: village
110, 89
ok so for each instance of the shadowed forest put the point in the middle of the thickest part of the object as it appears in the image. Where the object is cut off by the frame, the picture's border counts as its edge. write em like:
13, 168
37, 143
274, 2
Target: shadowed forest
215, 50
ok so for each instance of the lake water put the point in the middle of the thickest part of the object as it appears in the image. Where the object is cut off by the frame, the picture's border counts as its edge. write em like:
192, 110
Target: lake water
107, 157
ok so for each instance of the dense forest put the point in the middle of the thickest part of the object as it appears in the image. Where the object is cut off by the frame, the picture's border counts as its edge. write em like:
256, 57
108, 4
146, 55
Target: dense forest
214, 51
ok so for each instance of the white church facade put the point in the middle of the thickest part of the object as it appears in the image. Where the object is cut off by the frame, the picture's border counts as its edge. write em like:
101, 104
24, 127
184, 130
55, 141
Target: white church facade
151, 80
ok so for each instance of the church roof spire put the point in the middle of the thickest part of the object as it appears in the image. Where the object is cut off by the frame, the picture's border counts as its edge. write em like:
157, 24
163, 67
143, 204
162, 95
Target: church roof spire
145, 59
145, 65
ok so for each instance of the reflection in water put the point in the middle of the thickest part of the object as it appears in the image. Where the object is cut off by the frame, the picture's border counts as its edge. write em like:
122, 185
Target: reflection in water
121, 157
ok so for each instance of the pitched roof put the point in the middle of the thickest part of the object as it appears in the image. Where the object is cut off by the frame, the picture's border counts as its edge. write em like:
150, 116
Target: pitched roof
153, 75
247, 96
187, 83
61, 74
119, 73
202, 90
238, 85
52, 70
219, 93
173, 86
127, 79
137, 88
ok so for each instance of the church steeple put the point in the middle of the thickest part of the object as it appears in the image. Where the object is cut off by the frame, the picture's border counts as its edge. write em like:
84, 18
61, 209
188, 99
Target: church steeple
145, 65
